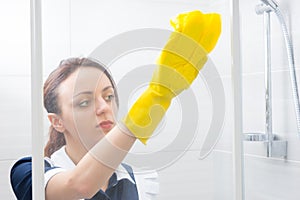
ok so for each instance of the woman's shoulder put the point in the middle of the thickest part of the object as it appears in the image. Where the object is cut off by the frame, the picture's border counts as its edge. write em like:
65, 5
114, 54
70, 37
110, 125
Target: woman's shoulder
26, 163
21, 168
21, 176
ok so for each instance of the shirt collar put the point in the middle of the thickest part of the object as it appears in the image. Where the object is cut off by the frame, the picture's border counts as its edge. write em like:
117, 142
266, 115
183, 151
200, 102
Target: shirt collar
61, 159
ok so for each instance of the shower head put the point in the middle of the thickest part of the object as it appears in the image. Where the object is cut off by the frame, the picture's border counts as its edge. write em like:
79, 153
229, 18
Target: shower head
266, 6
270, 3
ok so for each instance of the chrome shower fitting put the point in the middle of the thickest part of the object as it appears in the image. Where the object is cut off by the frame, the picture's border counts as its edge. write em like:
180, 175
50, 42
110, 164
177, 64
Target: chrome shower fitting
275, 146
266, 6
259, 143
270, 3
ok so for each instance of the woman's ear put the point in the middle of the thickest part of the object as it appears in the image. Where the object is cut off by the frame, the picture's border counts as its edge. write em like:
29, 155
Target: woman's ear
56, 122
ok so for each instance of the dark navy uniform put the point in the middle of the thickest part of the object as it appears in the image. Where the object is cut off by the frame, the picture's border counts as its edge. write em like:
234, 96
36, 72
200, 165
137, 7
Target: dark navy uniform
124, 184
21, 181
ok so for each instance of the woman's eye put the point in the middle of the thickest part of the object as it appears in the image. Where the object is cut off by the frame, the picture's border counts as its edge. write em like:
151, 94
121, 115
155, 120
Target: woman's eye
109, 97
84, 103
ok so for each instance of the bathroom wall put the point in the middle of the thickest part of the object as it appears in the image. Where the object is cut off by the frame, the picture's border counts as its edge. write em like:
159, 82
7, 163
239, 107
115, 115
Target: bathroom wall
270, 178
15, 87
76, 28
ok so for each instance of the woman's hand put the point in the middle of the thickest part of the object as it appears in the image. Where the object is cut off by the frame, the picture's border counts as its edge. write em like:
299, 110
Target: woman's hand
179, 63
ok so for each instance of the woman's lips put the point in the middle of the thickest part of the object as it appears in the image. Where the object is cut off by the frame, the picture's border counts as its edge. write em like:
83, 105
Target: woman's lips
106, 125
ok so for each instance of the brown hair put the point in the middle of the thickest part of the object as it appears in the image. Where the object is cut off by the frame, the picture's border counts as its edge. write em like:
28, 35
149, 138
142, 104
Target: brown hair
61, 73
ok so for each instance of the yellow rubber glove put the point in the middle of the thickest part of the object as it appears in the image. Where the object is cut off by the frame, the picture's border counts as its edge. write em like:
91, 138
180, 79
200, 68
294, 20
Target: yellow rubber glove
195, 34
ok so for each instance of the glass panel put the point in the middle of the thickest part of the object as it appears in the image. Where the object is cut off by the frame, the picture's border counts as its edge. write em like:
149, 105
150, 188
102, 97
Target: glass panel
191, 149
178, 158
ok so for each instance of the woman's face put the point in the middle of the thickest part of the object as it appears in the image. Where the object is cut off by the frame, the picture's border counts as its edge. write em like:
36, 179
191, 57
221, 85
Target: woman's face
88, 106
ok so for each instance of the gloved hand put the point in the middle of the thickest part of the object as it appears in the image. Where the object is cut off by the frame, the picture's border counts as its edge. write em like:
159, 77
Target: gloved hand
195, 35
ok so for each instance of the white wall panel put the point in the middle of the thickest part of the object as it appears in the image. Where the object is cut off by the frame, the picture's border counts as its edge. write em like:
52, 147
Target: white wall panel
5, 188
268, 178
15, 37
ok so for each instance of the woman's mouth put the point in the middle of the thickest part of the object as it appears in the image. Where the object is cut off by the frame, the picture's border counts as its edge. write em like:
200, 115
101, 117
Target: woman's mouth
106, 125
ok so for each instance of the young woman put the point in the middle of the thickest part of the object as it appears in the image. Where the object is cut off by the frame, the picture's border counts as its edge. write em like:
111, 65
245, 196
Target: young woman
87, 144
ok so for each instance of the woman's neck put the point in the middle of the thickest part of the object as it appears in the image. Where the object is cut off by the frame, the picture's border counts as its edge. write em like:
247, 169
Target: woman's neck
75, 152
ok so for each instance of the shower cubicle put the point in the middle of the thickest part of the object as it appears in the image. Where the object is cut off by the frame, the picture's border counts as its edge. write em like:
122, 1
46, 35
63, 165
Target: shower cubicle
238, 137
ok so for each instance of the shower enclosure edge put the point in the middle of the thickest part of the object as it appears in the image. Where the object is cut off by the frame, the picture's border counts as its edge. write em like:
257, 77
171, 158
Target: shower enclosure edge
236, 75
38, 192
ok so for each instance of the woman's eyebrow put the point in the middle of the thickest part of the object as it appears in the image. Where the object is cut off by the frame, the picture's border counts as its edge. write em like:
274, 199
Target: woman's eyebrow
106, 88
84, 92
90, 92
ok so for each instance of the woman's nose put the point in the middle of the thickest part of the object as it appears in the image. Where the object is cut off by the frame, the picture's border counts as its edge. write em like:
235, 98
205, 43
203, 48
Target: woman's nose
101, 106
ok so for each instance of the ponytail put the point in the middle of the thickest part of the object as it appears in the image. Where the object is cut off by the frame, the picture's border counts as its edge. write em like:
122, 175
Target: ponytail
55, 142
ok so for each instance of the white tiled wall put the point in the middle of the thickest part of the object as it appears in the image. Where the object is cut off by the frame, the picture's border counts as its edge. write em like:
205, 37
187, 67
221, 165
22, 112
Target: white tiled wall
14, 87
77, 27
267, 178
